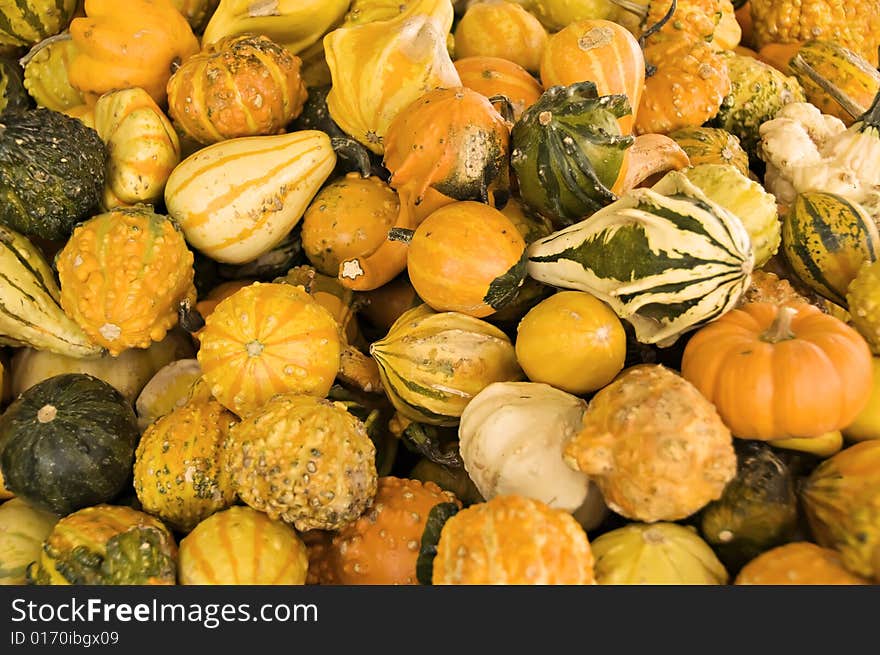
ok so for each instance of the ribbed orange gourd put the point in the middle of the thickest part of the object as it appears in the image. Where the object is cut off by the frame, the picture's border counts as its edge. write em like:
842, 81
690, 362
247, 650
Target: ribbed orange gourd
492, 76
599, 51
381, 67
239, 86
123, 275
466, 257
267, 339
777, 372
498, 28
125, 44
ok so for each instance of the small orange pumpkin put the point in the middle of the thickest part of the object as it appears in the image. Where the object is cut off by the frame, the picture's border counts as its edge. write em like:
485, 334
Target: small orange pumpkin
492, 76
238, 86
498, 28
797, 563
777, 372
466, 257
602, 52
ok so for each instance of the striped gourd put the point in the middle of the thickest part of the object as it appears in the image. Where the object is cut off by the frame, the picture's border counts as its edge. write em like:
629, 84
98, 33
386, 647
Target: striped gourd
667, 259
25, 22
711, 145
30, 310
237, 199
826, 238
432, 364
241, 546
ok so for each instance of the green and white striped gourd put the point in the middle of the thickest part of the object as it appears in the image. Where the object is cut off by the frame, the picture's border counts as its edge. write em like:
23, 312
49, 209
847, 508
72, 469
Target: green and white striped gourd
667, 259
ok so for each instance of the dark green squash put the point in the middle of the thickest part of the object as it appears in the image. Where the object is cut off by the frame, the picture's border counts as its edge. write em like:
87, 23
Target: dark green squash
51, 173
756, 512
437, 518
567, 151
67, 443
14, 97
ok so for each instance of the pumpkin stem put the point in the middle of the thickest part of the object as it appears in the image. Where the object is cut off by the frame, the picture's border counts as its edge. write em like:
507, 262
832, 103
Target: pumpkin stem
189, 318
24, 61
799, 65
650, 69
400, 234
506, 108
353, 151
780, 329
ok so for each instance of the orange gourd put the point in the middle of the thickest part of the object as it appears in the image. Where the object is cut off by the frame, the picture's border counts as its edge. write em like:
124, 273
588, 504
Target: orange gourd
797, 563
268, 339
777, 372
126, 44
498, 28
466, 257
238, 86
492, 76
599, 51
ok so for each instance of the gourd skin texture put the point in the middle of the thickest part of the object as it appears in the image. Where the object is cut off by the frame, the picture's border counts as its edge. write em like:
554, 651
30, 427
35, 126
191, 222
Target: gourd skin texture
654, 445
712, 145
491, 76
305, 460
240, 546
511, 540
46, 80
797, 563
23, 528
496, 28
123, 275
286, 342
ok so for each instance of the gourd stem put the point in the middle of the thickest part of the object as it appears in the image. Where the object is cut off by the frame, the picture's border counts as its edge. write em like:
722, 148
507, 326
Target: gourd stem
871, 118
799, 65
353, 151
780, 329
650, 69
189, 318
400, 234
24, 61
506, 109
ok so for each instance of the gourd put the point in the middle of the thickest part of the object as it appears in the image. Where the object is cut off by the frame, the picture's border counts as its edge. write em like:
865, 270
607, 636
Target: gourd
512, 540
603, 52
867, 424
841, 499
286, 342
383, 306
666, 259
23, 528
45, 74
826, 239
511, 438
757, 511
51, 173
556, 14
769, 287
26, 23
127, 373
240, 546
67, 443
711, 145
492, 76
350, 217
238, 86
179, 468
123, 274
113, 51
167, 390
797, 563
712, 21
454, 480
13, 95
30, 300
433, 363
568, 150
237, 199
466, 257
655, 554
734, 362
396, 61
572, 341
295, 24
305, 460
747, 200
142, 145
378, 548
654, 445
497, 28
107, 545
197, 12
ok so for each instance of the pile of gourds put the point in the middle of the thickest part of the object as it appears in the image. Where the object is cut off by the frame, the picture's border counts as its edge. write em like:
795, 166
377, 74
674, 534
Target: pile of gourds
423, 292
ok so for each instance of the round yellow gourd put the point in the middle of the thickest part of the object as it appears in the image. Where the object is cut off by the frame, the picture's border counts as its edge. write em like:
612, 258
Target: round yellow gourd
571, 341
867, 423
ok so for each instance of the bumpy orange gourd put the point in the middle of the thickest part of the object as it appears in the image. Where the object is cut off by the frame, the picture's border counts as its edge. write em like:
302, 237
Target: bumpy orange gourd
125, 44
512, 540
466, 257
655, 447
776, 372
382, 546
797, 563
492, 76
600, 51
239, 86
686, 90
498, 28
123, 275
696, 19
267, 339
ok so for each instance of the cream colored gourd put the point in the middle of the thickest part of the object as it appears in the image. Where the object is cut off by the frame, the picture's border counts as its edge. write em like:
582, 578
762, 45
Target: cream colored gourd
237, 199
23, 528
